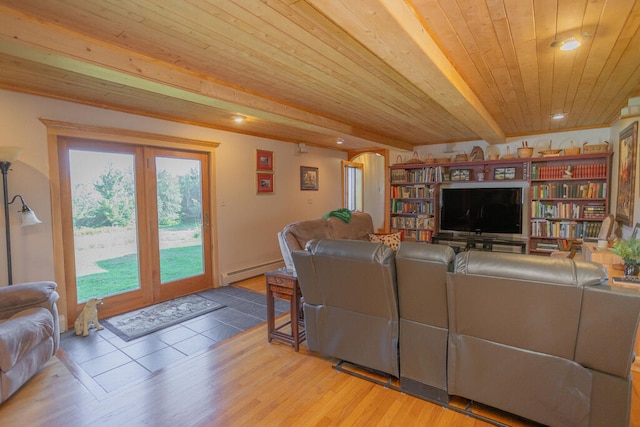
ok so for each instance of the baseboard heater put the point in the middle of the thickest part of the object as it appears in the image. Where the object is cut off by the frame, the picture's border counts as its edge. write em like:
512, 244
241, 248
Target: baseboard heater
254, 270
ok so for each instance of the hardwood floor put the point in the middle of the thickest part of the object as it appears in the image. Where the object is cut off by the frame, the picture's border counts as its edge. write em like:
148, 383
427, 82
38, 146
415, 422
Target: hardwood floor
243, 381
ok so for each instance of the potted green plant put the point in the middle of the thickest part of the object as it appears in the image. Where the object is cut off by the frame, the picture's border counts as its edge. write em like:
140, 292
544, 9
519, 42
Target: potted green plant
629, 251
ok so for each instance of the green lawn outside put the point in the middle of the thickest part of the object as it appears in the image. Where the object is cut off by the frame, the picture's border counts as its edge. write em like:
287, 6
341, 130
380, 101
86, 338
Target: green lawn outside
121, 274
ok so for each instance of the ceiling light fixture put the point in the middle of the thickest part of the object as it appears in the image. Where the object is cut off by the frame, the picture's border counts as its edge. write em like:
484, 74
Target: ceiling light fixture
340, 141
238, 119
558, 116
570, 43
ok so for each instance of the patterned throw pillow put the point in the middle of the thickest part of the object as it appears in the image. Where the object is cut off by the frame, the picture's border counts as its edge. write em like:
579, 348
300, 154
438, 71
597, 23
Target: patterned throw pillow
391, 239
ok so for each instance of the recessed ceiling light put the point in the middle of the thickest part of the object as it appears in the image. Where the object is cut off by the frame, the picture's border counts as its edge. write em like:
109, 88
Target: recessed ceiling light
340, 141
238, 119
570, 44
567, 44
558, 116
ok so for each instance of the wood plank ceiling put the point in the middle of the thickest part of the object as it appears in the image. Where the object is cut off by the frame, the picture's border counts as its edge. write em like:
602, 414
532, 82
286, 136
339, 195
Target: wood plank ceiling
376, 73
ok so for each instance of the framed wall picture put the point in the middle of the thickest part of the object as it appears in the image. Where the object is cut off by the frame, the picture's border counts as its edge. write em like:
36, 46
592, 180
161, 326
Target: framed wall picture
308, 178
626, 173
264, 160
265, 182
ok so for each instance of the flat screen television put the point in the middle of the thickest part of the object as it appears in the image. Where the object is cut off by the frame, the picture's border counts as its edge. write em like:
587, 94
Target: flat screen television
481, 210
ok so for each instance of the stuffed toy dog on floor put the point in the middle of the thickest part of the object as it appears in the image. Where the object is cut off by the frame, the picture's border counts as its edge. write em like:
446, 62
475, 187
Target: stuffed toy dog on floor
88, 317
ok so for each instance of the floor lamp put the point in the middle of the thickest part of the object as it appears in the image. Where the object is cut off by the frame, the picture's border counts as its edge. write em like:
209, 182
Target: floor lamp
7, 156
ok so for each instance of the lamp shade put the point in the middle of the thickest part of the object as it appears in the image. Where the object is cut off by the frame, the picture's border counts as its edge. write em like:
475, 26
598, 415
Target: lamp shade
9, 154
28, 217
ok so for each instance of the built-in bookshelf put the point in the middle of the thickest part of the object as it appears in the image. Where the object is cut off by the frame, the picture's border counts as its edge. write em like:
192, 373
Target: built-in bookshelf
569, 198
413, 202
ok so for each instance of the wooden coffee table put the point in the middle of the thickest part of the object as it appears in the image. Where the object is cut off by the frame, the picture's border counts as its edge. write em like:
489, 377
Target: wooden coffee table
283, 284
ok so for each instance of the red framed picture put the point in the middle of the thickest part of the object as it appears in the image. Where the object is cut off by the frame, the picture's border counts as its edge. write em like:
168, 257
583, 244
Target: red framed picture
264, 160
265, 183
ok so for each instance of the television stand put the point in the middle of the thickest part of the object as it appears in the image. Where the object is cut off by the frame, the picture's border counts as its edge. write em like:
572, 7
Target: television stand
461, 243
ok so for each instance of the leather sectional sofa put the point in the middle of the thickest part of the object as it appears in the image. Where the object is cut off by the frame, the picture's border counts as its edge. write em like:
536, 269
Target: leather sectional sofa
542, 338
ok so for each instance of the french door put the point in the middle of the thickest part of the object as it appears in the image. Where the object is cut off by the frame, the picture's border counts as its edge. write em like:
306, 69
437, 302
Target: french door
138, 229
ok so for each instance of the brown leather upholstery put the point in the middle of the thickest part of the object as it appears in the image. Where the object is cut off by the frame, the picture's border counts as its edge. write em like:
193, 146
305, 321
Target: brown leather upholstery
543, 338
424, 324
299, 233
350, 301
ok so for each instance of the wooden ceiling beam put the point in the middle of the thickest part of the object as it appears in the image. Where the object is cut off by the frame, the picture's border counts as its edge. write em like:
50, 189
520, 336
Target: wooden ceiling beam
34, 40
392, 30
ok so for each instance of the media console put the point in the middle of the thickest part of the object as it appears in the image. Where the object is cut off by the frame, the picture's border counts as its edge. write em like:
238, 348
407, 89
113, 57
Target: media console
485, 243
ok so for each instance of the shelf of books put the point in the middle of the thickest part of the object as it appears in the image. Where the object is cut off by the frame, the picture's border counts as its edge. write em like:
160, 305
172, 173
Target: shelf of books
413, 203
569, 198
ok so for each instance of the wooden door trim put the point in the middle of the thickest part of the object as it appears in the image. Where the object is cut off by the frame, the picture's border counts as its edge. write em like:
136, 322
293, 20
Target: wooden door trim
56, 131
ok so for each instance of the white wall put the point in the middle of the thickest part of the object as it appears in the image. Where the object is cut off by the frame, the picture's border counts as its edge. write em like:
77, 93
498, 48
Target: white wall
538, 142
247, 222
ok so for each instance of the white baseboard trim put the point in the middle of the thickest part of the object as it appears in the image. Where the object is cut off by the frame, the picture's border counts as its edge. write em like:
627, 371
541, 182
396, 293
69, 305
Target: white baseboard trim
252, 271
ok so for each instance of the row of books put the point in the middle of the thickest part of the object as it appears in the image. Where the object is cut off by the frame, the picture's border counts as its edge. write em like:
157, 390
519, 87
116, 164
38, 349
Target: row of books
401, 206
546, 246
419, 223
560, 190
427, 174
565, 229
567, 210
418, 235
594, 170
412, 192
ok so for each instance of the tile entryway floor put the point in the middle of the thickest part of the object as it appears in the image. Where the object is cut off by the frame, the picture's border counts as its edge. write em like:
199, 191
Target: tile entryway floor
113, 363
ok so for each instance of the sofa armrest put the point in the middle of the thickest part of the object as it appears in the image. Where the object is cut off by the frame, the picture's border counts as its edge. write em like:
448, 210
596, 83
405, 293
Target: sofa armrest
608, 328
16, 298
306, 277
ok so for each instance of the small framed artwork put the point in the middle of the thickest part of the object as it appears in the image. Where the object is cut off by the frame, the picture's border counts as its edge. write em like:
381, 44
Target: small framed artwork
265, 183
626, 173
509, 173
308, 178
460, 175
264, 160
498, 173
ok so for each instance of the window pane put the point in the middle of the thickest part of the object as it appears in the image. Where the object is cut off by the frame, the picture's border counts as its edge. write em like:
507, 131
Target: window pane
179, 218
104, 223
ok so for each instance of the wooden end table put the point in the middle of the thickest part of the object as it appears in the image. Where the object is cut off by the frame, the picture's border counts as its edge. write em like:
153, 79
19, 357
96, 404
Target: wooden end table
283, 284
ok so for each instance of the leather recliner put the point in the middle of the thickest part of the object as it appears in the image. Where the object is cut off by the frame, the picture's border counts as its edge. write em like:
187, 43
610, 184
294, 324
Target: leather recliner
543, 338
350, 301
29, 332
424, 324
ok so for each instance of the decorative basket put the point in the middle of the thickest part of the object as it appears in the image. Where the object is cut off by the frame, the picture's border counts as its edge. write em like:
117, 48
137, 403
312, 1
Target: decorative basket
443, 159
508, 154
525, 152
462, 157
571, 151
595, 148
415, 159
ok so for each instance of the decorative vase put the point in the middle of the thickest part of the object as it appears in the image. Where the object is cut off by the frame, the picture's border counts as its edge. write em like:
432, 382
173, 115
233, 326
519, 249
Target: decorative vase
630, 269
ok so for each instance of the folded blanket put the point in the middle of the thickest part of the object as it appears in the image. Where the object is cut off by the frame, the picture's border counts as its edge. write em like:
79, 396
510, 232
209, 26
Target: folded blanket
342, 213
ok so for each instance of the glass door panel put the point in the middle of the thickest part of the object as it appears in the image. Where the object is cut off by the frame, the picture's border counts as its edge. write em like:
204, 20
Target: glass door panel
180, 228
104, 215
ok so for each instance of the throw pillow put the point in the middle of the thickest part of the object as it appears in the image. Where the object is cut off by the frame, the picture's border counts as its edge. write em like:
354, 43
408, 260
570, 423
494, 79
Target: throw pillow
391, 239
